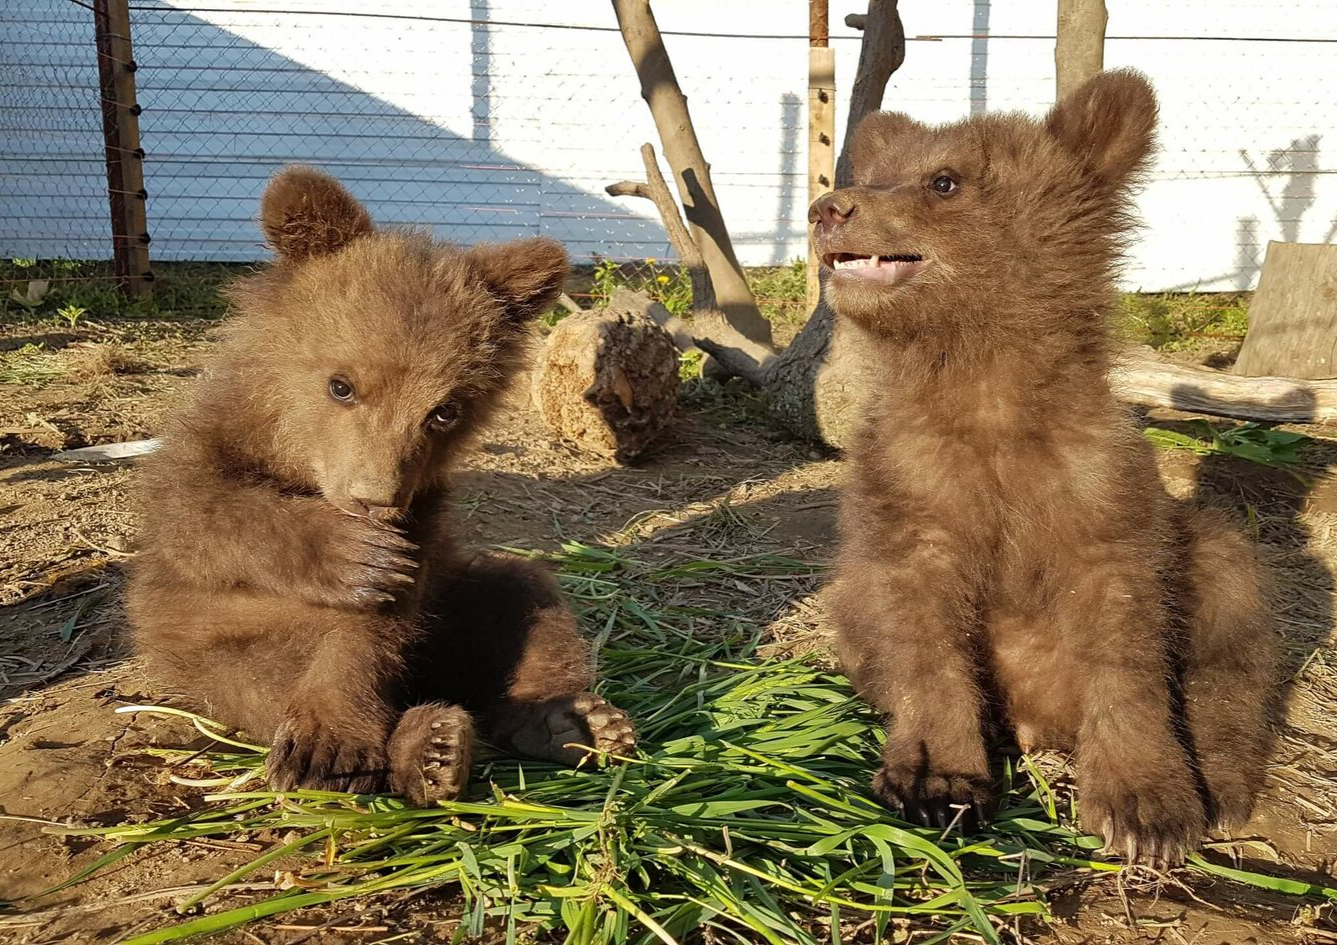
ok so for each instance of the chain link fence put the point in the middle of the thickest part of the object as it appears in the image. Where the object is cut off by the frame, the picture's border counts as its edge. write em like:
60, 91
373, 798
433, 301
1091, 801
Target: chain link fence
497, 119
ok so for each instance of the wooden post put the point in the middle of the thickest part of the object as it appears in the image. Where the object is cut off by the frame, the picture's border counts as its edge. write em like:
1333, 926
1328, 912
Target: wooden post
1079, 46
125, 157
821, 126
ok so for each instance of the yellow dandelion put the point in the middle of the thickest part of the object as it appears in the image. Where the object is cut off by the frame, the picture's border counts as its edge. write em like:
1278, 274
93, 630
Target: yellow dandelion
649, 260
661, 279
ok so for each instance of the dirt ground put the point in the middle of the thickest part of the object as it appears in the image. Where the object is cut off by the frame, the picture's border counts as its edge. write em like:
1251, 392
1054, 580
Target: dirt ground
66, 529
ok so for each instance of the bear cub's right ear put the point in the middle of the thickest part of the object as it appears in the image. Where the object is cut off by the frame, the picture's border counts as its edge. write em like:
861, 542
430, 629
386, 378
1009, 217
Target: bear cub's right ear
306, 213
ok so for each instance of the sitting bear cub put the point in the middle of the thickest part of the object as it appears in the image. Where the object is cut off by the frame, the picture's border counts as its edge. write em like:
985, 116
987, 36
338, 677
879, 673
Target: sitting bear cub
297, 572
1007, 549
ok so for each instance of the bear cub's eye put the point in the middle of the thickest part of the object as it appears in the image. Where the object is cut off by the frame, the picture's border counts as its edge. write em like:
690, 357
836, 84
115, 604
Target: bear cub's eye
341, 390
942, 184
444, 415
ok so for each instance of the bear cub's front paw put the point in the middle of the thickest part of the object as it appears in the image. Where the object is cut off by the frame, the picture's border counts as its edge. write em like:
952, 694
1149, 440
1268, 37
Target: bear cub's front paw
430, 753
1156, 824
321, 755
933, 799
367, 563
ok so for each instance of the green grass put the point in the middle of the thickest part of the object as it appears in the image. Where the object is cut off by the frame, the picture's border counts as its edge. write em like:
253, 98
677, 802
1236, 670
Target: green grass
745, 811
31, 364
88, 288
1183, 321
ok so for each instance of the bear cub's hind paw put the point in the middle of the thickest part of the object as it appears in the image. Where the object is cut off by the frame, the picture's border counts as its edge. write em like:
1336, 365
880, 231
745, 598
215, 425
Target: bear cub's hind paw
933, 800
557, 729
430, 753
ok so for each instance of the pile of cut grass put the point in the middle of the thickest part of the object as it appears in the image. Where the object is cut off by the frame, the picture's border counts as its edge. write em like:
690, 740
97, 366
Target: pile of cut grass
746, 809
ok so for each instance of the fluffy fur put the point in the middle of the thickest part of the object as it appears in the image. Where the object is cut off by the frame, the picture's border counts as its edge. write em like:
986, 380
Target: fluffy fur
1008, 552
298, 574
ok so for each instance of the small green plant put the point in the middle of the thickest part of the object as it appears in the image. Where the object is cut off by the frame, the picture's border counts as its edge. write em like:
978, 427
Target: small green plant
70, 314
23, 263
689, 365
1255, 442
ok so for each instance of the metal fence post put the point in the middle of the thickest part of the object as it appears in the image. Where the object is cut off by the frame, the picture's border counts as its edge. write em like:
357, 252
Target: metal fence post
125, 156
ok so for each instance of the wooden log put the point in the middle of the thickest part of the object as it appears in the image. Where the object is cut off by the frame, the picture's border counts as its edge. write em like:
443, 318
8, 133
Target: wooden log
607, 382
1293, 314
1143, 377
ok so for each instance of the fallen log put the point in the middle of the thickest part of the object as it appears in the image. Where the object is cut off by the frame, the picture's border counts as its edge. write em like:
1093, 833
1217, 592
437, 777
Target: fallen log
1145, 378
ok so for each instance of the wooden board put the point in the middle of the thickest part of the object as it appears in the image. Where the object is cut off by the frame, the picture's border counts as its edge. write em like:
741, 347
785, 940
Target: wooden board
1293, 316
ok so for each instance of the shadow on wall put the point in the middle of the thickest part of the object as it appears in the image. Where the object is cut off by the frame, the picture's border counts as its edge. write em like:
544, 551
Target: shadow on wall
222, 112
1297, 164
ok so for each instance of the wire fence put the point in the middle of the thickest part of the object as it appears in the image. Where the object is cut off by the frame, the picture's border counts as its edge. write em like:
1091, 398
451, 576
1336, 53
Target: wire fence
497, 119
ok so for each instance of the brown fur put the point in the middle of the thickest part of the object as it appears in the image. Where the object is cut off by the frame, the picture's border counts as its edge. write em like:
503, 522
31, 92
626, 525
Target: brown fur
1006, 542
298, 573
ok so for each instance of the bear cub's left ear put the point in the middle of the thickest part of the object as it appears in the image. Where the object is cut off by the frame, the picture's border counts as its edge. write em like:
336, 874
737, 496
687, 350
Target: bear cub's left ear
306, 212
526, 275
1109, 123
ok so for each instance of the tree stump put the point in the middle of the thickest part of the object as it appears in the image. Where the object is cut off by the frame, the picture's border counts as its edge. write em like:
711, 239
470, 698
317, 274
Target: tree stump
607, 382
1293, 315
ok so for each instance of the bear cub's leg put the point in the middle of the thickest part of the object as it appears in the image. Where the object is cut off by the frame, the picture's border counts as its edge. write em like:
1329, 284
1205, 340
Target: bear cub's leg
502, 642
909, 653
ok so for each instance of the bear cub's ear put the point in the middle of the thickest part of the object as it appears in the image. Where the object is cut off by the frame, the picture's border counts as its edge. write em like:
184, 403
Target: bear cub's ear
1109, 123
306, 213
527, 275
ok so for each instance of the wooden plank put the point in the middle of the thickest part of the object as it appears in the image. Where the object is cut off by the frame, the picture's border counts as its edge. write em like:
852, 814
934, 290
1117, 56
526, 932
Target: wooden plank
1293, 315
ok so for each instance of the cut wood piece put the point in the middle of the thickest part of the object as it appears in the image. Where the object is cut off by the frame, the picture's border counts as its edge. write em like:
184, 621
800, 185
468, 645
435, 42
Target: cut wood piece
1293, 315
607, 381
1142, 377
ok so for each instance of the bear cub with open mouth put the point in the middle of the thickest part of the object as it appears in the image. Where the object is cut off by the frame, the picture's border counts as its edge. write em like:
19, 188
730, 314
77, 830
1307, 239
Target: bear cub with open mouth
298, 575
1008, 552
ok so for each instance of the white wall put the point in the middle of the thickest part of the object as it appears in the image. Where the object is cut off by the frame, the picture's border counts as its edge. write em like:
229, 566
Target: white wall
501, 128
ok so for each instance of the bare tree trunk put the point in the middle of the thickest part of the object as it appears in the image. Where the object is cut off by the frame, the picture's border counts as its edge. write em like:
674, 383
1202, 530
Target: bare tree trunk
881, 54
668, 107
656, 190
1079, 47
812, 387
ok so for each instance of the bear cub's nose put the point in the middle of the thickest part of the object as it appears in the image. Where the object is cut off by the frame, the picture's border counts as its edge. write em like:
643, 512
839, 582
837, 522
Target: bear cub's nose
831, 209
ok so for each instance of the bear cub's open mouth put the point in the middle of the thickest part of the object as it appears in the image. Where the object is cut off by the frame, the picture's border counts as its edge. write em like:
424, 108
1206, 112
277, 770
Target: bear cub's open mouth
889, 268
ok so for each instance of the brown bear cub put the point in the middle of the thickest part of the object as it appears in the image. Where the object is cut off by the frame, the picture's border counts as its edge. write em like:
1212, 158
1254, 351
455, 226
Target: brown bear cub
1008, 552
298, 573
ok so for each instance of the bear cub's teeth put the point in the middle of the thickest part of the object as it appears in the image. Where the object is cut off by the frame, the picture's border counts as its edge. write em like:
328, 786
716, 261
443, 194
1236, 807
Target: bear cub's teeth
852, 261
